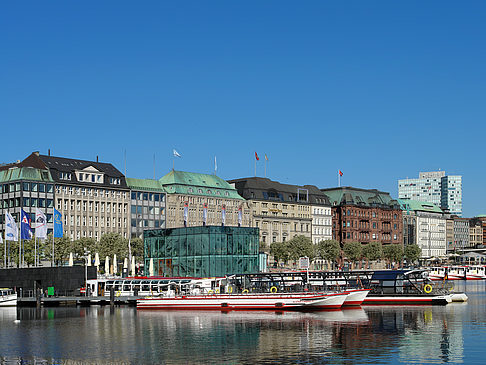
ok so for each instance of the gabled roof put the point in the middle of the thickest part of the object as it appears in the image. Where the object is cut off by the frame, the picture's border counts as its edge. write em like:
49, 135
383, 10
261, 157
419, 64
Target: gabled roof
192, 183
348, 195
260, 188
59, 165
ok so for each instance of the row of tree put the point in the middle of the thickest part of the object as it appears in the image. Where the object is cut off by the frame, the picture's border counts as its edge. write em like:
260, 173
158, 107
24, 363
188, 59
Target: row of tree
331, 250
109, 245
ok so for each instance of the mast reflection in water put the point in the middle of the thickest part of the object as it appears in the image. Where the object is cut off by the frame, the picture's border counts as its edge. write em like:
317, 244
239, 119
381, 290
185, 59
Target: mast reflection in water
454, 333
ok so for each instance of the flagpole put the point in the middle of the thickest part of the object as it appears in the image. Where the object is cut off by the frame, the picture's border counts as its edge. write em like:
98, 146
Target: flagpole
339, 179
255, 166
53, 226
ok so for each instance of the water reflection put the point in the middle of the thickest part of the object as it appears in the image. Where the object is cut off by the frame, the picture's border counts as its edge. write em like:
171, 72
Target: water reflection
374, 334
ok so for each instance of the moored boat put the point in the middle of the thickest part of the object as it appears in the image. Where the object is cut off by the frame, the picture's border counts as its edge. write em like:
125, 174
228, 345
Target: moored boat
456, 273
437, 273
395, 287
248, 301
475, 273
8, 298
355, 297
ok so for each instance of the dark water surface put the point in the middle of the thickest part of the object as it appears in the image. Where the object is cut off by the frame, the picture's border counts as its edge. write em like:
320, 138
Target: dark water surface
455, 333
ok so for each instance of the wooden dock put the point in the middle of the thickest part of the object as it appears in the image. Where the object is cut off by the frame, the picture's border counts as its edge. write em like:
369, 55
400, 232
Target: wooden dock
76, 300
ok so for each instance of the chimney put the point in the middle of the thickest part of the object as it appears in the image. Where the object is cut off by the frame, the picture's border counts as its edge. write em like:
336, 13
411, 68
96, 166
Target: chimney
49, 152
96, 158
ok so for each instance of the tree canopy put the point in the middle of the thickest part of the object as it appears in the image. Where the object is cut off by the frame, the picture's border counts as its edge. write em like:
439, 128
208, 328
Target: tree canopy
329, 250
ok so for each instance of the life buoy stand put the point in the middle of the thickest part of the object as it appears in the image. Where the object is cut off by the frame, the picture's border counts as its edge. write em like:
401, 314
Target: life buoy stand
245, 291
273, 289
427, 288
230, 289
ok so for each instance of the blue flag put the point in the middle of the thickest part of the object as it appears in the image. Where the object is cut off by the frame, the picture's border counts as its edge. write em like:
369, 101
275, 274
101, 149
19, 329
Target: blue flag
57, 224
25, 230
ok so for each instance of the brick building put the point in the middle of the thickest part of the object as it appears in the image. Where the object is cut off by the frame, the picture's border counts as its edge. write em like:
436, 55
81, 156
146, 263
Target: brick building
362, 215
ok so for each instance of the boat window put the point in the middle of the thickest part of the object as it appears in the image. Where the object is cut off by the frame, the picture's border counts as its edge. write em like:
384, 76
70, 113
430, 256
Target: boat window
127, 287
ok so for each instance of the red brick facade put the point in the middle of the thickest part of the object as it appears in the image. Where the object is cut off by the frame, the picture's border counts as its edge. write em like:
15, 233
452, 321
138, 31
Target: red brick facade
351, 223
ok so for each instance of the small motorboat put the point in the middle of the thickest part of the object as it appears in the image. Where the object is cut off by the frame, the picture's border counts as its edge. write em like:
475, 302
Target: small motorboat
8, 298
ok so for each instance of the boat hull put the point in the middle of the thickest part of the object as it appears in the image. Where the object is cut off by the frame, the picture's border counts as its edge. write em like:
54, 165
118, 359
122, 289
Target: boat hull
245, 302
407, 300
355, 297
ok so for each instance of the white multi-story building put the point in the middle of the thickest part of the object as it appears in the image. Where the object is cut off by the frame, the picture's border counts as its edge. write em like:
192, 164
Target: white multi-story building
434, 187
321, 223
424, 224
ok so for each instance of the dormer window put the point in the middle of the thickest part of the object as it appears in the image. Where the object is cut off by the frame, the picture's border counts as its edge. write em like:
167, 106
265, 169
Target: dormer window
115, 181
65, 175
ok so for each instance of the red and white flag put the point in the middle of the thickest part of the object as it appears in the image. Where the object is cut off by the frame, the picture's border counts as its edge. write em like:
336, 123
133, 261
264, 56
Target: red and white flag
340, 173
256, 156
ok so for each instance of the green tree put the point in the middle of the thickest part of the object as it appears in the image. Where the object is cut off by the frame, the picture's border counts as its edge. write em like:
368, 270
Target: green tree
412, 252
372, 251
329, 250
85, 246
352, 250
301, 246
62, 247
279, 251
393, 253
137, 248
111, 244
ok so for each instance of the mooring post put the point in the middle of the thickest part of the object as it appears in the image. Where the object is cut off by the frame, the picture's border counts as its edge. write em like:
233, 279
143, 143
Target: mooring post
112, 296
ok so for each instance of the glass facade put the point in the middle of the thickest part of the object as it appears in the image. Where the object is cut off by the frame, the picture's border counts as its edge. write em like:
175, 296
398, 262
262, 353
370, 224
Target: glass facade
202, 251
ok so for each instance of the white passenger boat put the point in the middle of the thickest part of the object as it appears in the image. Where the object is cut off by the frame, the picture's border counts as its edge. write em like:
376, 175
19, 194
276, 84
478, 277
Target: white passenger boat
456, 273
8, 298
247, 301
437, 273
475, 273
355, 297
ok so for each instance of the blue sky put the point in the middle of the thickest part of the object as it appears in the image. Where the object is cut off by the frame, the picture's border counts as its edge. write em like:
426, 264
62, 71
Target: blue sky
378, 89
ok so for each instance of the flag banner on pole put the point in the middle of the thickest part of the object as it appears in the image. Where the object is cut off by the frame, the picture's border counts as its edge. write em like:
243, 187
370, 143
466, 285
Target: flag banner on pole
266, 157
11, 229
186, 212
58, 231
223, 214
40, 224
175, 153
240, 216
215, 165
340, 173
256, 156
205, 213
25, 228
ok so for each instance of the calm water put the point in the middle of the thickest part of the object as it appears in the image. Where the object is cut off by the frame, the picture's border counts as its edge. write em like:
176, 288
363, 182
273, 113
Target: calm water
455, 333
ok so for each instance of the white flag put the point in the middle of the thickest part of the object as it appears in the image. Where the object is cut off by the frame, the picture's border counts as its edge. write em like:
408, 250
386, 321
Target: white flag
11, 229
40, 224
176, 154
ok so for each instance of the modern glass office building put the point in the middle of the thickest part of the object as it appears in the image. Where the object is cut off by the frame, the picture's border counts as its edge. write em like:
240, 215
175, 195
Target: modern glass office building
201, 251
434, 187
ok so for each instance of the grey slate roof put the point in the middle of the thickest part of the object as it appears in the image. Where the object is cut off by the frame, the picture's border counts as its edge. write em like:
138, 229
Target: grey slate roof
259, 188
62, 164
